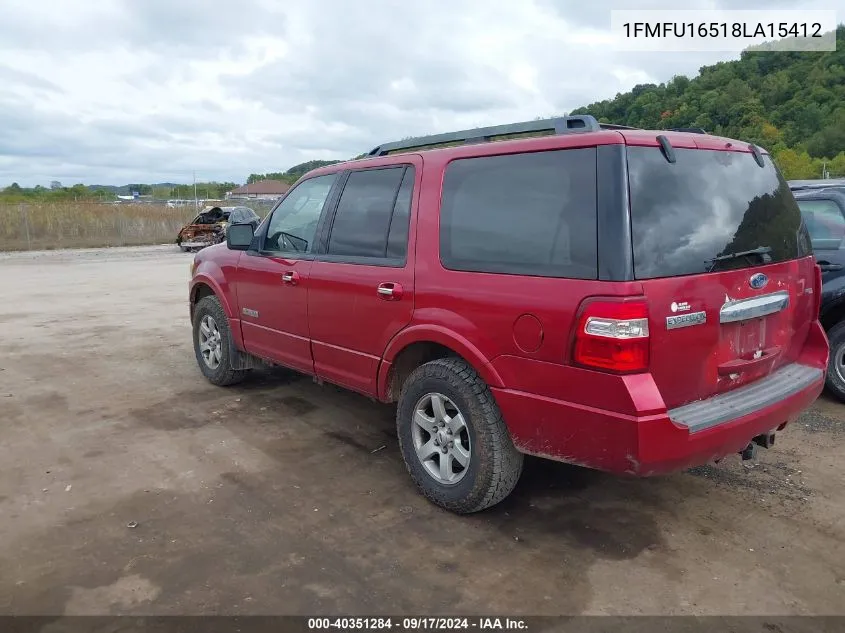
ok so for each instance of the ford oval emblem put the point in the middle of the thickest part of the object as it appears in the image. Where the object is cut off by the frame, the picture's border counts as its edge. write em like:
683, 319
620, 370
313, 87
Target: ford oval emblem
758, 281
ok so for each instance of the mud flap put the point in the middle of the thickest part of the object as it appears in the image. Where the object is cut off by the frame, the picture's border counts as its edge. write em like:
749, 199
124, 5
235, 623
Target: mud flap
242, 360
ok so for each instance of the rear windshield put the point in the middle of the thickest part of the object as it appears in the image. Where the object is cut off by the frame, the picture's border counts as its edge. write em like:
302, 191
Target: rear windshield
691, 216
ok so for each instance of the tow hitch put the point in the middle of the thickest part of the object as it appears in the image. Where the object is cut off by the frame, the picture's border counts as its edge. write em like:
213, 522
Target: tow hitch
765, 440
748, 452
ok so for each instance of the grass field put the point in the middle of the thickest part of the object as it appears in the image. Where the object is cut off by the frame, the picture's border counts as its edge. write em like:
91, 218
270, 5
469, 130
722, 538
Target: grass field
49, 226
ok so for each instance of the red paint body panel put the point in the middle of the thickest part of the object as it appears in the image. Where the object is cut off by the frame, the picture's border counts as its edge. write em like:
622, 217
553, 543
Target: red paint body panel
715, 344
350, 324
442, 335
517, 331
215, 269
647, 443
282, 334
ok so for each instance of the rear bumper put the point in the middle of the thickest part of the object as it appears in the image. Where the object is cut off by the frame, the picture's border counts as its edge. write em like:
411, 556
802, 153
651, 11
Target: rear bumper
668, 440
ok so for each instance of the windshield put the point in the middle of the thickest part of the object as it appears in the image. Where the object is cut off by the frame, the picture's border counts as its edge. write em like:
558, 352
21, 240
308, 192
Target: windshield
710, 210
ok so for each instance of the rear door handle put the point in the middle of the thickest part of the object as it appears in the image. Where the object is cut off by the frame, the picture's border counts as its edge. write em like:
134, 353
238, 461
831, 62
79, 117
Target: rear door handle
389, 291
827, 266
290, 277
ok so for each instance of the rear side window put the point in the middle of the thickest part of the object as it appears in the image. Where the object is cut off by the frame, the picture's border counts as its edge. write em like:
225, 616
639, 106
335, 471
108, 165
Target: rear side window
824, 221
694, 215
365, 213
527, 214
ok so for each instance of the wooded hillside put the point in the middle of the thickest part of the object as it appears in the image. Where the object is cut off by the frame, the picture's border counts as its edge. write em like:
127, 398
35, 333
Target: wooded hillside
793, 104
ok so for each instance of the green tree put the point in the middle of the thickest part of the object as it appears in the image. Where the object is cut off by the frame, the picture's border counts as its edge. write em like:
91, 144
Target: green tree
796, 165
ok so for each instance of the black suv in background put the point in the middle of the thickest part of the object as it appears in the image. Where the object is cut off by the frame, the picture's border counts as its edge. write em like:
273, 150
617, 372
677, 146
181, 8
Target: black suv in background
822, 205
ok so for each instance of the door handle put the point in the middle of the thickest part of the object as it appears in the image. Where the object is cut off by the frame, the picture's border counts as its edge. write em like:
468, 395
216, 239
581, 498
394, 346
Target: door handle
290, 277
389, 291
827, 266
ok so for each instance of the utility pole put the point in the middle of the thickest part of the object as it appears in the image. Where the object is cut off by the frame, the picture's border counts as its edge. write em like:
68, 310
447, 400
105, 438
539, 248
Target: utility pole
196, 202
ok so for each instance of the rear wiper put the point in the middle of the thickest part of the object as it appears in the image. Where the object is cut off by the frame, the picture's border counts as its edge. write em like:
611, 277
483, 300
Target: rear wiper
762, 252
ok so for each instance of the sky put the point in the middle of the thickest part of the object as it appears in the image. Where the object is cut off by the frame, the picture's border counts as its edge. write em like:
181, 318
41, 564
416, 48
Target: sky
120, 91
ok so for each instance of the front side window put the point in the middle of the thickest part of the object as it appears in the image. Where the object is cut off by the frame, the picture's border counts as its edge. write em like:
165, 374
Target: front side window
527, 214
294, 222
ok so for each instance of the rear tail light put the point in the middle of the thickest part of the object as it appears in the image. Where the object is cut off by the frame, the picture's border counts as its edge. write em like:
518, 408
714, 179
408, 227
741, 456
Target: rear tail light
817, 290
612, 335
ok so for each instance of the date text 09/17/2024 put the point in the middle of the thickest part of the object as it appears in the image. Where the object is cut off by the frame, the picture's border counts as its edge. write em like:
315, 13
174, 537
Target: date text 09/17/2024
417, 624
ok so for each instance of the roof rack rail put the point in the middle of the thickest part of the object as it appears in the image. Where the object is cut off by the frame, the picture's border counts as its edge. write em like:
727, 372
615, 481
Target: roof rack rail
614, 126
559, 125
691, 130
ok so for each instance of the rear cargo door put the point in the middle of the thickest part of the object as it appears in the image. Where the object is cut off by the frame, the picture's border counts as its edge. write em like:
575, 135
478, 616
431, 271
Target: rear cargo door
725, 263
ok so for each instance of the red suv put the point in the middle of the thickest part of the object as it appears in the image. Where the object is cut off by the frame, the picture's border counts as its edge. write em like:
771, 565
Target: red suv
632, 301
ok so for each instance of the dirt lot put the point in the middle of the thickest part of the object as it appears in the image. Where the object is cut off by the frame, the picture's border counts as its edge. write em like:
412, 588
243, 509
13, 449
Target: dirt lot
272, 497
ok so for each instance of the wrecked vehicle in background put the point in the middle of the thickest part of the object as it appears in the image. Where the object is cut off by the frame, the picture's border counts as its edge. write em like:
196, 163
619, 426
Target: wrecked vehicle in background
209, 227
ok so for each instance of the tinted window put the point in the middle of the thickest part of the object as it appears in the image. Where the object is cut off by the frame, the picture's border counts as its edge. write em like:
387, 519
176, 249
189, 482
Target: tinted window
397, 239
242, 215
363, 214
530, 214
824, 221
706, 205
294, 221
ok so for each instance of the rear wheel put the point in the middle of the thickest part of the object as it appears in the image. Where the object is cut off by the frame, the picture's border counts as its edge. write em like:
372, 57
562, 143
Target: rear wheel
836, 364
212, 340
453, 439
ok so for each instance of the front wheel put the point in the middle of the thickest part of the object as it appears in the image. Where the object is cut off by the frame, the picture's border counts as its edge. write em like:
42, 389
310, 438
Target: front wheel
212, 343
836, 365
453, 439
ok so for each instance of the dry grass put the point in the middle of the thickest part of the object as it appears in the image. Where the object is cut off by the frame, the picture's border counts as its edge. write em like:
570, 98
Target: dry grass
87, 224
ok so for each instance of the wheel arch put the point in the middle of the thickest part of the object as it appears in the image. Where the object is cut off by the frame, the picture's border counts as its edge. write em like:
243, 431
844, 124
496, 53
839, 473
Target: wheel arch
833, 314
203, 286
418, 345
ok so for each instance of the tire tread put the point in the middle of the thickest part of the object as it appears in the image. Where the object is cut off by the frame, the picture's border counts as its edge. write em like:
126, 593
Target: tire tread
506, 466
224, 375
836, 337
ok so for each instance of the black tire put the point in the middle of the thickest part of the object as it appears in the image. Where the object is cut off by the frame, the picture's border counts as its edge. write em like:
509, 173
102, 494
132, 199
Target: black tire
495, 464
184, 249
223, 375
835, 381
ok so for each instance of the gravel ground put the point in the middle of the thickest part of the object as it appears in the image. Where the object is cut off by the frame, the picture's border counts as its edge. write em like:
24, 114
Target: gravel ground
128, 484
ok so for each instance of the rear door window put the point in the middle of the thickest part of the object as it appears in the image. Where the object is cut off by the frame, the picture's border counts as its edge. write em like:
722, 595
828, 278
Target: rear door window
364, 216
526, 214
693, 215
824, 221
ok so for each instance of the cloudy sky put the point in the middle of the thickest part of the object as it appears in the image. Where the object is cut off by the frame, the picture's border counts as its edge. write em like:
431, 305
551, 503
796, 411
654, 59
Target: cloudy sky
117, 91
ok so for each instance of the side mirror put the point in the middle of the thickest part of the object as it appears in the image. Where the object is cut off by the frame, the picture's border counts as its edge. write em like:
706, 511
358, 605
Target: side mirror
239, 236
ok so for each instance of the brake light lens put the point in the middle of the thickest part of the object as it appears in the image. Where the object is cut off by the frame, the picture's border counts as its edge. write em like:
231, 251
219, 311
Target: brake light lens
817, 289
613, 336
